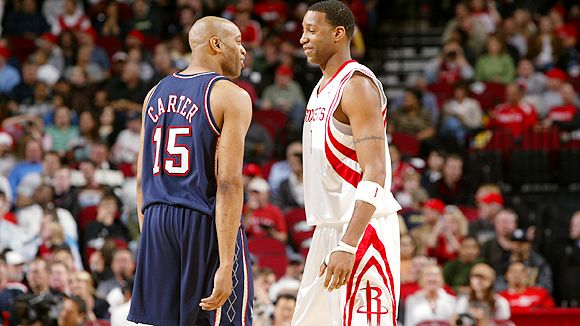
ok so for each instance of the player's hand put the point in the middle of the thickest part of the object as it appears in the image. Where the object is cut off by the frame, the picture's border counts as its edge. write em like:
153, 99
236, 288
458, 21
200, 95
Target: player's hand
222, 288
338, 271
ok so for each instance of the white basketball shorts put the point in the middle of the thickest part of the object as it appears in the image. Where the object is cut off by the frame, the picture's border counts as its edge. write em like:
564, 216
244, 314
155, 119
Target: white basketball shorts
372, 293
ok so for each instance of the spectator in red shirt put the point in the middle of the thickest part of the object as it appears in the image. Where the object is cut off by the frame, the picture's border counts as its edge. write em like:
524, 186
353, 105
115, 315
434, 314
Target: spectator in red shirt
515, 115
262, 217
250, 29
520, 295
73, 19
445, 240
566, 112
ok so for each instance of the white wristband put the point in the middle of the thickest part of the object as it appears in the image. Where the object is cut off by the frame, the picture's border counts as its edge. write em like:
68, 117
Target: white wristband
370, 192
341, 247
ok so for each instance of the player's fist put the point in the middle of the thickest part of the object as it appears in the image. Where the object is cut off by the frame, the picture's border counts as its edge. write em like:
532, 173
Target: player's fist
222, 288
338, 270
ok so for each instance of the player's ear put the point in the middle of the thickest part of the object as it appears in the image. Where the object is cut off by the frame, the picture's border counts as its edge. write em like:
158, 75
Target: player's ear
339, 33
214, 43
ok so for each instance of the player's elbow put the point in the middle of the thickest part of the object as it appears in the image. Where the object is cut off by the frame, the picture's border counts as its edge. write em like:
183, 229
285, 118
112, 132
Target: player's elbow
230, 185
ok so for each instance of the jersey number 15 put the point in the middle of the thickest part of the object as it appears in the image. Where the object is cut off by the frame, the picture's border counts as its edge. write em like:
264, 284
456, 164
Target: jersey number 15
175, 152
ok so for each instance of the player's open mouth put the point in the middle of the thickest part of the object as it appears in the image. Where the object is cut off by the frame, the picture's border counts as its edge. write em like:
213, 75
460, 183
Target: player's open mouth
308, 50
242, 62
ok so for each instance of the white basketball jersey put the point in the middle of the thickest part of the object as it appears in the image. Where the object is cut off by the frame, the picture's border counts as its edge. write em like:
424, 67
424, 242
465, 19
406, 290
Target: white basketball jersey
331, 168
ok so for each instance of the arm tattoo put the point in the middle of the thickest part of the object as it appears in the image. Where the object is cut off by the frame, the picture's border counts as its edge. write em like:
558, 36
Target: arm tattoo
368, 138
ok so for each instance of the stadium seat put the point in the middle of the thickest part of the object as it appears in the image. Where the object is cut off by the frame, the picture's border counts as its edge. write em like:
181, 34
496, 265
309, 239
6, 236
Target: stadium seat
21, 47
111, 44
299, 231
442, 91
492, 95
86, 216
408, 144
471, 213
270, 253
274, 121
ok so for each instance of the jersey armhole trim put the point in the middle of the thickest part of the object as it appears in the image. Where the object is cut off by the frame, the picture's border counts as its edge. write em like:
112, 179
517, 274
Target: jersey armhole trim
206, 105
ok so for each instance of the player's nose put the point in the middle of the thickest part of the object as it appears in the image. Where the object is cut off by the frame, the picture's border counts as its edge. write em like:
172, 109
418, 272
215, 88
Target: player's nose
303, 39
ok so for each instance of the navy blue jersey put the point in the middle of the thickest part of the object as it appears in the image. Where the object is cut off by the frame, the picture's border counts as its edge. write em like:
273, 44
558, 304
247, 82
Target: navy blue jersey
179, 148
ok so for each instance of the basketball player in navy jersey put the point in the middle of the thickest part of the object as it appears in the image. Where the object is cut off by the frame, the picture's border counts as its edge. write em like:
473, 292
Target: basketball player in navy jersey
193, 262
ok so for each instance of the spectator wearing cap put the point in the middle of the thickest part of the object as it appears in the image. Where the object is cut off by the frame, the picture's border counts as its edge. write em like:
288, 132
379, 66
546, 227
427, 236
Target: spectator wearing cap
9, 76
290, 194
566, 256
565, 115
456, 272
545, 47
259, 144
552, 96
445, 239
98, 55
433, 210
8, 292
522, 296
488, 205
263, 218
73, 19
496, 65
537, 269
514, 115
497, 251
285, 95
48, 44
126, 148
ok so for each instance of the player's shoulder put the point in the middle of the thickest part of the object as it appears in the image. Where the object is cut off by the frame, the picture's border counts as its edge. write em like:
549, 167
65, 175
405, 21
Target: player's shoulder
226, 88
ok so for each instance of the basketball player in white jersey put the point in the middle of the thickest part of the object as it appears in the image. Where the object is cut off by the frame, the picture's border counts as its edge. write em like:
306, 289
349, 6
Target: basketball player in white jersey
351, 276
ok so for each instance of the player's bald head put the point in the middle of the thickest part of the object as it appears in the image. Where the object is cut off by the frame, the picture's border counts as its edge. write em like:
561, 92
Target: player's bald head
207, 27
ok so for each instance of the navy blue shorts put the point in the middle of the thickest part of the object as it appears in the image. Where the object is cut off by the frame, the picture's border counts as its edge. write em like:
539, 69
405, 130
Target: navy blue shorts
178, 257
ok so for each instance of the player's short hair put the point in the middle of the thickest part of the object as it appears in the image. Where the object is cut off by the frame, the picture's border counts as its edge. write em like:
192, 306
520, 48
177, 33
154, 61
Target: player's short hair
337, 14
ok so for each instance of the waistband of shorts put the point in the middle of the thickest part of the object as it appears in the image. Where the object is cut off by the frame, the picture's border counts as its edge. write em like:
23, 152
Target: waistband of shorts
341, 224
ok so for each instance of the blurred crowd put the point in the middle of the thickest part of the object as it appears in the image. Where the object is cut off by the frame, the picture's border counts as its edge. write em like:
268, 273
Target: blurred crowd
73, 76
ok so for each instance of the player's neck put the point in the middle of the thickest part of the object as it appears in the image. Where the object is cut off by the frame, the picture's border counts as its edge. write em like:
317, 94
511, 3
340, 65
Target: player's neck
334, 63
199, 65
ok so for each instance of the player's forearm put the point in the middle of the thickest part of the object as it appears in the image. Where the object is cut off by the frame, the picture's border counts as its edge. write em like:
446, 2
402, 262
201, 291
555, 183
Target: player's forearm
229, 201
363, 211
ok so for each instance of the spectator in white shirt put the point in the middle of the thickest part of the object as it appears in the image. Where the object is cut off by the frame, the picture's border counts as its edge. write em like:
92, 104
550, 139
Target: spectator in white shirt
431, 302
461, 114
